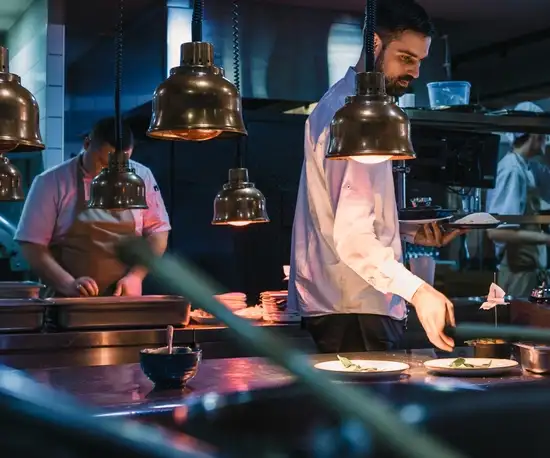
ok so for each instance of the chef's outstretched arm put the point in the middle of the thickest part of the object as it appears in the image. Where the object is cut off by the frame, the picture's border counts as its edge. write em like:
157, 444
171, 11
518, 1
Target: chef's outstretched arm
359, 192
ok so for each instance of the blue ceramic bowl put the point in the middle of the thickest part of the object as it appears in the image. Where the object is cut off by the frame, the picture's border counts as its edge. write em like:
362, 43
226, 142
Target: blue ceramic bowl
173, 370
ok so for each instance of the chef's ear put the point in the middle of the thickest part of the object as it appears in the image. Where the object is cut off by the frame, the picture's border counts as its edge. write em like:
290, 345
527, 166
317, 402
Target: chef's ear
377, 45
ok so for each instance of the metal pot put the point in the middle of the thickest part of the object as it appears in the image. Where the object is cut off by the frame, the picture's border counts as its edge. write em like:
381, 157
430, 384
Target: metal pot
534, 358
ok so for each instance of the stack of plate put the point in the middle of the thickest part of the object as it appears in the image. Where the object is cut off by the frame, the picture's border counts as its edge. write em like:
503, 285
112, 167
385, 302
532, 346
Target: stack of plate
233, 301
275, 308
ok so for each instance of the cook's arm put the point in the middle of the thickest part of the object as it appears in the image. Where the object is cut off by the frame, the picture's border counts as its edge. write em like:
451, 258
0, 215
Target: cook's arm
156, 224
353, 187
505, 199
43, 264
35, 229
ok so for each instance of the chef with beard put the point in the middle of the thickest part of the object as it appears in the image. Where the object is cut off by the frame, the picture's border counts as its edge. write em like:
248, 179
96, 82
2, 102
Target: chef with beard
70, 246
346, 277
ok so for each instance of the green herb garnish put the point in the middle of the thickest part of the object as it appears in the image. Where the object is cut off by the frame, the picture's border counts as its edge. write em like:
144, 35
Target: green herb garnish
354, 367
461, 362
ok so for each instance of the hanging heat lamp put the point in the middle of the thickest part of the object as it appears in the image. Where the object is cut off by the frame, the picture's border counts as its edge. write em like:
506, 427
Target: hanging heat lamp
239, 203
118, 187
19, 128
370, 127
196, 102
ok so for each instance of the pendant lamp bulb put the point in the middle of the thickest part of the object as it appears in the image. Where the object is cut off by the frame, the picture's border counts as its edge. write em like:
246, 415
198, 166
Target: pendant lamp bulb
118, 187
370, 128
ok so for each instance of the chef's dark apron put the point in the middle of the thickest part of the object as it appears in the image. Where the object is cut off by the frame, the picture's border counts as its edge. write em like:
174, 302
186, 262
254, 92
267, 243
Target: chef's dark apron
523, 267
87, 249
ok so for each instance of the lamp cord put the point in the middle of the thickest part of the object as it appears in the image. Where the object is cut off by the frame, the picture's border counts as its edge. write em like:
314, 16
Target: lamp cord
241, 145
196, 21
118, 77
369, 29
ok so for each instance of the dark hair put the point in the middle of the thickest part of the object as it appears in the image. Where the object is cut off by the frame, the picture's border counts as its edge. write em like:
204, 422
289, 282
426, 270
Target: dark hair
393, 17
520, 141
104, 132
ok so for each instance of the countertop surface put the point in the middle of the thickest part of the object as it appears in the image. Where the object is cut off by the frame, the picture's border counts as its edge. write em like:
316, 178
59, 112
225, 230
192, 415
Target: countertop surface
124, 388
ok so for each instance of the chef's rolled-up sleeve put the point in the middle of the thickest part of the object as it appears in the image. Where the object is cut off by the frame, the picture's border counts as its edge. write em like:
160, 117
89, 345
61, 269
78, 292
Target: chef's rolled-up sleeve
155, 217
39, 216
354, 189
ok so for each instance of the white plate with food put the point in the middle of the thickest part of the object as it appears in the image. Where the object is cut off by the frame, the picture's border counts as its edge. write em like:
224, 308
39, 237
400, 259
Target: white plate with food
470, 367
362, 368
475, 221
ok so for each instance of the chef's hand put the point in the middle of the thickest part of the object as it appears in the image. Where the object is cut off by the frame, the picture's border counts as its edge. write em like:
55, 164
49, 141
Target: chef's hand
432, 235
130, 285
434, 311
83, 286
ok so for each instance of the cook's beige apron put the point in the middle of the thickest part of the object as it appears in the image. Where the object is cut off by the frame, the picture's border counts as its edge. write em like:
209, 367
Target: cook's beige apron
523, 267
87, 248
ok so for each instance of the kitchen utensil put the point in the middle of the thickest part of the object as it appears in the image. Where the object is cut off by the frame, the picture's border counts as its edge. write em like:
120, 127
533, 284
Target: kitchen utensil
118, 312
170, 338
20, 289
504, 332
170, 370
480, 369
383, 369
449, 93
349, 401
487, 349
534, 358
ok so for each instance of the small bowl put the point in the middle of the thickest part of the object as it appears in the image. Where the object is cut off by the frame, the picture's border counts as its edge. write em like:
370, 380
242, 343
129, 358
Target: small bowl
167, 370
491, 350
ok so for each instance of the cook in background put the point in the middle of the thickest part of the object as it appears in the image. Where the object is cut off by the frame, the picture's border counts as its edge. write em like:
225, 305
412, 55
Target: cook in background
521, 184
68, 245
347, 277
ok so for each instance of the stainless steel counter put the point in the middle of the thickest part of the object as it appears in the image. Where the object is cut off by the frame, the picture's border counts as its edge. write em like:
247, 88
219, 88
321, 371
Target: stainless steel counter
100, 348
125, 390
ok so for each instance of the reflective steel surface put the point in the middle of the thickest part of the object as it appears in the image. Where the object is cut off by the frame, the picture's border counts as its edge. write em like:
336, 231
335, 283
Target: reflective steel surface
11, 187
118, 187
19, 113
124, 388
196, 102
239, 203
370, 124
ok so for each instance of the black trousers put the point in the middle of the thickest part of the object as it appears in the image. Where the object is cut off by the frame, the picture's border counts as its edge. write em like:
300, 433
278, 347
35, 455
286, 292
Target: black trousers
341, 333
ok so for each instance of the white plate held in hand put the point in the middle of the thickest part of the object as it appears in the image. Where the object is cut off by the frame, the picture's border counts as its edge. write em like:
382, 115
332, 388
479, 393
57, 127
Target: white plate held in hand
481, 367
384, 368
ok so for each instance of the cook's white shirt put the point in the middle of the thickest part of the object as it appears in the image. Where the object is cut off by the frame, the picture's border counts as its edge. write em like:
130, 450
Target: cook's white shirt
50, 207
346, 254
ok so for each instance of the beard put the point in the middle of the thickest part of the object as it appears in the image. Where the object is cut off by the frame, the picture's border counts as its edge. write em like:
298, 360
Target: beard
395, 86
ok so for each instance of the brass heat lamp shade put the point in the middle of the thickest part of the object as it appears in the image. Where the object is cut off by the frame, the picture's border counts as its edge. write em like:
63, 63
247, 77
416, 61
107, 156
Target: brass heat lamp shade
239, 203
19, 115
117, 187
11, 188
196, 102
370, 127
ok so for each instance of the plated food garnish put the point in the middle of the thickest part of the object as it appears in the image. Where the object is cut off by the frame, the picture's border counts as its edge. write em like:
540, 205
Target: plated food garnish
354, 367
461, 362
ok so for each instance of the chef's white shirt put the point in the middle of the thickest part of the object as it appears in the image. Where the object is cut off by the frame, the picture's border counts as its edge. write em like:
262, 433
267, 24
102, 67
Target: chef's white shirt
515, 176
50, 207
346, 254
